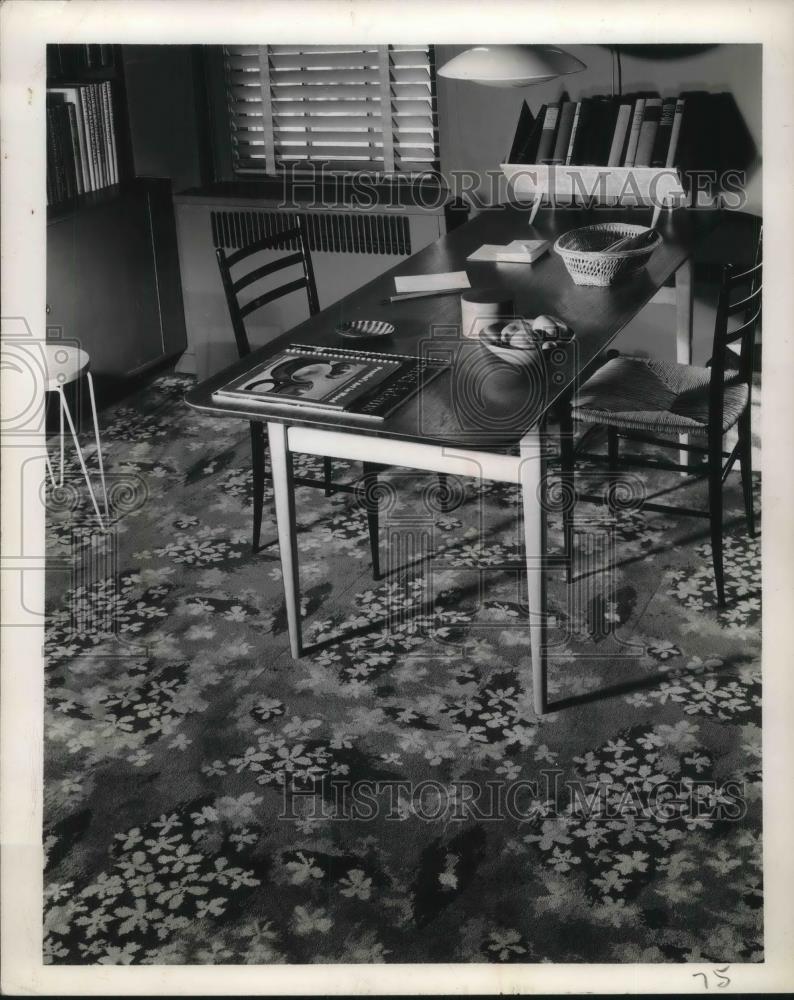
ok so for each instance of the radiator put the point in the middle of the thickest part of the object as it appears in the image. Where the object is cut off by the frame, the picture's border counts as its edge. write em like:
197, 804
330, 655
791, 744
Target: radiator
348, 248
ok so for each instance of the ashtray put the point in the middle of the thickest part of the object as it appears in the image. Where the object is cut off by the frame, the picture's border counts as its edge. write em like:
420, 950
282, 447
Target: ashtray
365, 329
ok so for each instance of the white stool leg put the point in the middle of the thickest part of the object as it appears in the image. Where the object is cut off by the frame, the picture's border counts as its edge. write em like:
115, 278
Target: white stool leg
68, 415
60, 438
96, 438
50, 473
59, 483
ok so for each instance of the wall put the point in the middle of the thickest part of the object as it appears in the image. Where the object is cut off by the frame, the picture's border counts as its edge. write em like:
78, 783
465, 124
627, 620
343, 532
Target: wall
477, 123
162, 104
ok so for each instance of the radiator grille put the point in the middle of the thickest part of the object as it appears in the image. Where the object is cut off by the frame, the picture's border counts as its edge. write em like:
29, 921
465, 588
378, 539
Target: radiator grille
329, 232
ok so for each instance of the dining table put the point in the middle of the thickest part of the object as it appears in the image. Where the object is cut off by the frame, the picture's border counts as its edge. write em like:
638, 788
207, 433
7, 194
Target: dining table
482, 417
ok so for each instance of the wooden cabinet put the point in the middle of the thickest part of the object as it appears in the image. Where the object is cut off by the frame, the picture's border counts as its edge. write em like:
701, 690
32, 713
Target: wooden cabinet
113, 283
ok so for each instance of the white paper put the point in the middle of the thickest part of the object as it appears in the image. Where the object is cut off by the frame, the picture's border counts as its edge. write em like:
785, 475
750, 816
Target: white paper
431, 282
519, 251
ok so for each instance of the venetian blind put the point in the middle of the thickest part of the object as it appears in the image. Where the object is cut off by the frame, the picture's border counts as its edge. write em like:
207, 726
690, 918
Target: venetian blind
356, 108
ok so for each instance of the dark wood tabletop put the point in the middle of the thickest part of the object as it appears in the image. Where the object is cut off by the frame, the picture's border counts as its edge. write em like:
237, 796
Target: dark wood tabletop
483, 402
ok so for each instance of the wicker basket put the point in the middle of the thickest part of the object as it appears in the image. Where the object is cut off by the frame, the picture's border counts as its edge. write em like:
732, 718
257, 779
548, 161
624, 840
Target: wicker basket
582, 253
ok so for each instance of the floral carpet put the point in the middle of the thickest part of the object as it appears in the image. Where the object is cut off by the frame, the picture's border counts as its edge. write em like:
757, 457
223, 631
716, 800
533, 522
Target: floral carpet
391, 796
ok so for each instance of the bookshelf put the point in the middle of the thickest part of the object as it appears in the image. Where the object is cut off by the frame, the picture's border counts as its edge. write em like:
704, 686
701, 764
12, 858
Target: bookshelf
113, 285
604, 150
88, 140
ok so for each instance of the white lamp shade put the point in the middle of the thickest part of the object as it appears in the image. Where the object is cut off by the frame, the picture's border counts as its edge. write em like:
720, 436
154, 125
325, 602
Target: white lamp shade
511, 65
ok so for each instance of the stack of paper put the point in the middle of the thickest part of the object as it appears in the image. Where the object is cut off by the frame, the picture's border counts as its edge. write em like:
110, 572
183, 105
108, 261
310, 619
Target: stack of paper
431, 282
517, 252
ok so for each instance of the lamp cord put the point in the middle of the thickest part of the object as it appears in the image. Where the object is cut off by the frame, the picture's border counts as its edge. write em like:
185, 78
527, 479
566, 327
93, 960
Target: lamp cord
616, 61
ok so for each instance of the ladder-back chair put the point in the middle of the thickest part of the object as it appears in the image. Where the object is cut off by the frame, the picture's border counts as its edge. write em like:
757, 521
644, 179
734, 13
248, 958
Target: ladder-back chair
640, 398
295, 241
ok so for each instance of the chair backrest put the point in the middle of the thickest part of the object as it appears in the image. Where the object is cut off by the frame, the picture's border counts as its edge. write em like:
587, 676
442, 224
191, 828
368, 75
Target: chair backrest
725, 364
287, 239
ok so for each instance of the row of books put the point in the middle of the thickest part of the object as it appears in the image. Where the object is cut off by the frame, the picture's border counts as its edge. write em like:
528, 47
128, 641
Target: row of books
74, 59
602, 131
81, 140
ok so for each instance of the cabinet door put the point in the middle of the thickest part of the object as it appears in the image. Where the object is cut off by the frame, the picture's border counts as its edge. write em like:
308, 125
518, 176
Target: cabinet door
102, 282
61, 320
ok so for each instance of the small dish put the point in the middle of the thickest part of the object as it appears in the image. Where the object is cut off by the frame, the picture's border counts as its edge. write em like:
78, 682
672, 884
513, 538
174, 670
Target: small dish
519, 357
530, 342
365, 329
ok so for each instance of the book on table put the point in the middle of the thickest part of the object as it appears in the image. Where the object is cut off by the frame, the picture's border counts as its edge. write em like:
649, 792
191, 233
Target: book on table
331, 380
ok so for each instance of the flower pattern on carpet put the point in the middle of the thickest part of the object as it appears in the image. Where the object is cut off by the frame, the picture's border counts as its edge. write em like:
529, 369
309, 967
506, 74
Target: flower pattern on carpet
392, 795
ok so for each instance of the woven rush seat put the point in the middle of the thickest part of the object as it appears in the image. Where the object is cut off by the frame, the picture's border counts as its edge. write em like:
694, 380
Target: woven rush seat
642, 394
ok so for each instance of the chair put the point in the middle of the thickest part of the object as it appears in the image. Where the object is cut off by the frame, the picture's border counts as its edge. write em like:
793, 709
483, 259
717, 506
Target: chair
639, 398
66, 364
294, 239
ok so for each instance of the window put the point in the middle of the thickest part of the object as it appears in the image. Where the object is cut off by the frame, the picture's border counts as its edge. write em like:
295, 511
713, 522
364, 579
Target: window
355, 108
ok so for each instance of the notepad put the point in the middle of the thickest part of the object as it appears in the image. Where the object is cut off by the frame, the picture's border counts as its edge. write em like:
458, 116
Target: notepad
431, 282
517, 252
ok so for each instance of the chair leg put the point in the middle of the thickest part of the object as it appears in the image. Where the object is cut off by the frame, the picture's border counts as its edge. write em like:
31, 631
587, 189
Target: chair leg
371, 503
715, 516
746, 465
327, 474
568, 484
258, 473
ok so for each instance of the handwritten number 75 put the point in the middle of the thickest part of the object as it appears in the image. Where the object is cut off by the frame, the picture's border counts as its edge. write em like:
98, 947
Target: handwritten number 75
723, 980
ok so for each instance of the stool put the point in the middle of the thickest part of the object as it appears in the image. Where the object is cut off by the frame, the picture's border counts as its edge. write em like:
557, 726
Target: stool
64, 365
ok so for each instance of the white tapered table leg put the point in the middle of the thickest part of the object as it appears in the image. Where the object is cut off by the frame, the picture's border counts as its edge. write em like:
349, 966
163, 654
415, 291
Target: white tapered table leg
684, 322
284, 495
65, 411
96, 438
531, 474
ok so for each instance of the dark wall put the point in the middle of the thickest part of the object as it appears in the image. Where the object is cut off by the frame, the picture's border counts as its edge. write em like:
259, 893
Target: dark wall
163, 95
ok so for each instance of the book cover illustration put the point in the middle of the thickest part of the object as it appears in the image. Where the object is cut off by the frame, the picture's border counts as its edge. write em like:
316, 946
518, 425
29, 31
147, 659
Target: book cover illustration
310, 378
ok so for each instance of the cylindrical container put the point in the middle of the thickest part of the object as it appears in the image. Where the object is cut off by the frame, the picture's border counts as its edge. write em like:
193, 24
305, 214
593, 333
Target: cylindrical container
480, 308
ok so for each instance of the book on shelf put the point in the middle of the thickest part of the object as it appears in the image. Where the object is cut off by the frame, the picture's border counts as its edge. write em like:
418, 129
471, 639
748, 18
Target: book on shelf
634, 132
650, 125
520, 148
579, 135
562, 140
675, 133
618, 148
574, 129
546, 147
81, 141
530, 151
331, 380
71, 60
609, 119
661, 143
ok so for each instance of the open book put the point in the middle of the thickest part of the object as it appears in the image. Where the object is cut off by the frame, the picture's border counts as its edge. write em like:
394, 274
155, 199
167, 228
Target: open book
330, 379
